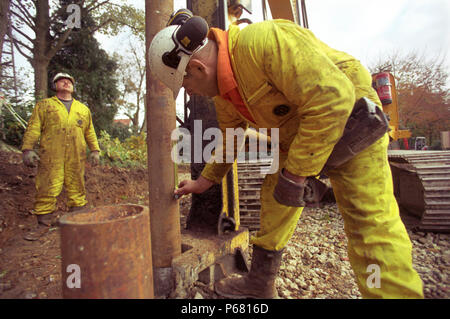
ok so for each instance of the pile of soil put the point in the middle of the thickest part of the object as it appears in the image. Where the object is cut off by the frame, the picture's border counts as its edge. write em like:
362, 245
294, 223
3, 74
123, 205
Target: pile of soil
32, 269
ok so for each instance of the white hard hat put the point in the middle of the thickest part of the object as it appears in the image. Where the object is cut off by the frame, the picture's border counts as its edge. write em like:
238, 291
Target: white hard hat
172, 48
63, 76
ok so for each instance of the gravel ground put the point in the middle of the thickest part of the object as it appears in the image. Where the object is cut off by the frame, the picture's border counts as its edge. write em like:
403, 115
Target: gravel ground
315, 264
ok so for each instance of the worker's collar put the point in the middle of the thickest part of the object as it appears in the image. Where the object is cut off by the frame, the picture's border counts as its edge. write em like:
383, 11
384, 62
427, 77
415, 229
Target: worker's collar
225, 76
60, 98
65, 100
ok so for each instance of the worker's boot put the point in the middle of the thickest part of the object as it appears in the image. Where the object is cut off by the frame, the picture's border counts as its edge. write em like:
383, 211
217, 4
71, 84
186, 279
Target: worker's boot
47, 219
76, 208
259, 283
44, 222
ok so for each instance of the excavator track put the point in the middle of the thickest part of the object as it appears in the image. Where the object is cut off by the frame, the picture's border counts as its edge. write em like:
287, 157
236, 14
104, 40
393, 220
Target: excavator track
422, 186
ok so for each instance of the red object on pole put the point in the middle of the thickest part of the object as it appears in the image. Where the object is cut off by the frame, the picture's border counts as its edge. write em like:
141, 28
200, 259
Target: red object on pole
405, 142
383, 86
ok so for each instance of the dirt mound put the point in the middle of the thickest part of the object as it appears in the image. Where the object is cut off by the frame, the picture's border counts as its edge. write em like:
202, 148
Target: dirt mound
32, 269
104, 185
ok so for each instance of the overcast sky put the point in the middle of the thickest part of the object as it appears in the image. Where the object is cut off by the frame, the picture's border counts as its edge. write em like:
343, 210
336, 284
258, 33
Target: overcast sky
365, 29
362, 28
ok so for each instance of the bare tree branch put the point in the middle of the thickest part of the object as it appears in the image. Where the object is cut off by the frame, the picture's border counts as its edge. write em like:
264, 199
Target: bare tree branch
132, 27
29, 58
93, 7
92, 30
25, 12
23, 44
22, 19
6, 63
59, 44
23, 34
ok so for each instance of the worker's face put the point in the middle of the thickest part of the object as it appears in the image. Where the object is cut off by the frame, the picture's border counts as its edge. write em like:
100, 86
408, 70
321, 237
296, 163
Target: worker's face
64, 85
200, 80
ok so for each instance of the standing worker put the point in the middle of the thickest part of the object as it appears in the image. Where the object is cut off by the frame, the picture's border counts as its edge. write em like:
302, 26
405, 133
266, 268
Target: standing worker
276, 74
63, 126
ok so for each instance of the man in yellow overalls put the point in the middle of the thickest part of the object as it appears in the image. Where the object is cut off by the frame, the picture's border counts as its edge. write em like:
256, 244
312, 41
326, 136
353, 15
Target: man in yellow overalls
63, 126
275, 74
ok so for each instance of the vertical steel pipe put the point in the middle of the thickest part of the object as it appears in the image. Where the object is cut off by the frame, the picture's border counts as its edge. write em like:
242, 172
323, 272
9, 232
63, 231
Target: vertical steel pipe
161, 121
106, 253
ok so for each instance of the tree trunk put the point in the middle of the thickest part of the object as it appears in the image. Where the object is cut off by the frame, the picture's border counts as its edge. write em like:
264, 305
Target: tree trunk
4, 22
40, 77
144, 123
41, 46
135, 119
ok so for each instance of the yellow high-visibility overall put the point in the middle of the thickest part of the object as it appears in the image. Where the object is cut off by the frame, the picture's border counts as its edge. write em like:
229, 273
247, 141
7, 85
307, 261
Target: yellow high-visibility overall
62, 149
290, 80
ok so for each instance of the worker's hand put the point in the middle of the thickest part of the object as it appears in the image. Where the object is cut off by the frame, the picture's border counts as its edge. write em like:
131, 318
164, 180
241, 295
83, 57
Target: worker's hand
290, 190
94, 158
193, 186
295, 178
30, 158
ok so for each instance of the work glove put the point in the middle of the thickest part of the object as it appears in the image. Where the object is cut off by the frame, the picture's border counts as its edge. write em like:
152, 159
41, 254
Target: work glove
94, 158
288, 192
30, 158
307, 194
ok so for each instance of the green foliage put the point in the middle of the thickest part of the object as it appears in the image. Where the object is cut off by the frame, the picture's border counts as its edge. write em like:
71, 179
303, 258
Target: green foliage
115, 17
12, 131
130, 153
119, 130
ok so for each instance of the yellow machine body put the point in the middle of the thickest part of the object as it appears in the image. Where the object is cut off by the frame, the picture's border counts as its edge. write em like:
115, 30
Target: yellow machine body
392, 111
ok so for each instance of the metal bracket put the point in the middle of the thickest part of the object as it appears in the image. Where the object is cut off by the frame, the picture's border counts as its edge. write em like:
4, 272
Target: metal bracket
225, 224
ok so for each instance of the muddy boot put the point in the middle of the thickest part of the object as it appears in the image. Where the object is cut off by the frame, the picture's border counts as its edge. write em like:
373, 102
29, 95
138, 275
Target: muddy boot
47, 219
76, 208
36, 233
259, 283
44, 222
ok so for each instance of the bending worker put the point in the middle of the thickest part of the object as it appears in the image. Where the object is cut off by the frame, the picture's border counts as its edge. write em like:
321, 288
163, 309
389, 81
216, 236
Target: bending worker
275, 74
63, 126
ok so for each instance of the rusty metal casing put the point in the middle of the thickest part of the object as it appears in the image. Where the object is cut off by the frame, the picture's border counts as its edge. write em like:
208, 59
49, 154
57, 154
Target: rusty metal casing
108, 250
